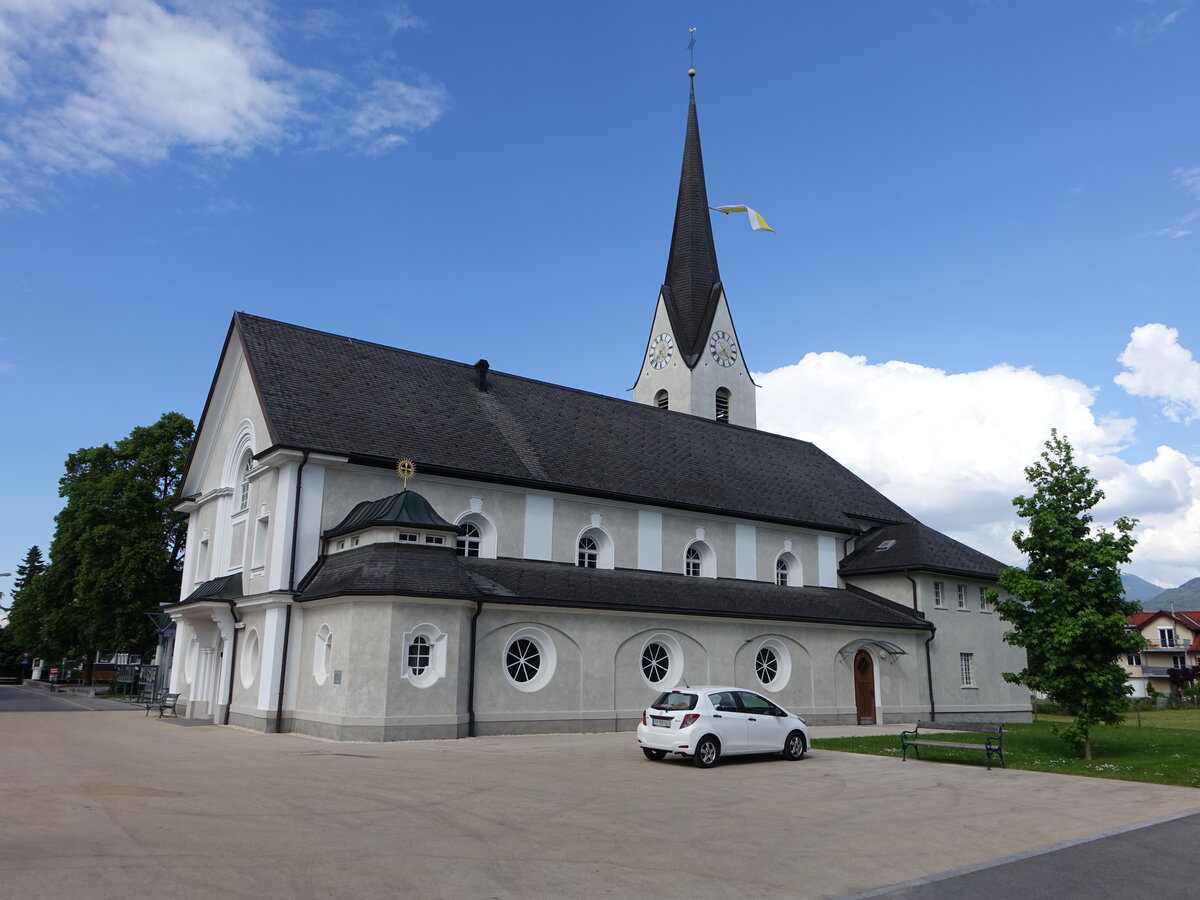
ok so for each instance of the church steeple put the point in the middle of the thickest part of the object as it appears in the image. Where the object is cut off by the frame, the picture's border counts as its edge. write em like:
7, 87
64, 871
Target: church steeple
693, 282
693, 363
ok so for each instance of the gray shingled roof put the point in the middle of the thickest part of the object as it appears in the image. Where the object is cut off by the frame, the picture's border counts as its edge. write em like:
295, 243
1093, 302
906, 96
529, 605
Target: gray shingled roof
227, 587
692, 282
403, 570
916, 546
376, 404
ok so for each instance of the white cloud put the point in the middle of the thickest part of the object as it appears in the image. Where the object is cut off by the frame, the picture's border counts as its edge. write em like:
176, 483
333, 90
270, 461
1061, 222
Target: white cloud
1157, 366
1188, 179
88, 85
1150, 24
951, 448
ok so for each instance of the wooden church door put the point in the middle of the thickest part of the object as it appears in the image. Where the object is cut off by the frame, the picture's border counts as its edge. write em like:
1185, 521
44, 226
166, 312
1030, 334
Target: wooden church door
864, 687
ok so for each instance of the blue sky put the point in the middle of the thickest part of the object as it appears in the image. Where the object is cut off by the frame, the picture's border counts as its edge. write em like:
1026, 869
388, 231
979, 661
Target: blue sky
986, 212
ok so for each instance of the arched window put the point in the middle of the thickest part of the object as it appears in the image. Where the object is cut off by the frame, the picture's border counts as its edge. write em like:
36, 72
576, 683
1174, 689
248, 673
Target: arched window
594, 549
722, 404
424, 656
662, 400
479, 538
788, 570
323, 654
469, 540
699, 561
244, 468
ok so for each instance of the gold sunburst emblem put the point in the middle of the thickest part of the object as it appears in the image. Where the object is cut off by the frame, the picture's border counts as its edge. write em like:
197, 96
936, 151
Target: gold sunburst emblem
406, 469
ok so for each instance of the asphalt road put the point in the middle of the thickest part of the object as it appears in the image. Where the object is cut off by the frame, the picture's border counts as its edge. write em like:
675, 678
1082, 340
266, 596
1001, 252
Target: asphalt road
106, 802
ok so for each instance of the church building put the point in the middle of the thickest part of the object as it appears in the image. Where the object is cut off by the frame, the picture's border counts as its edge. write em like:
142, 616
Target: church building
559, 557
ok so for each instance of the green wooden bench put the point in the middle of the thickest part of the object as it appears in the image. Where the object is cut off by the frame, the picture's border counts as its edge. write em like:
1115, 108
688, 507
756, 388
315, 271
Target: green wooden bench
993, 744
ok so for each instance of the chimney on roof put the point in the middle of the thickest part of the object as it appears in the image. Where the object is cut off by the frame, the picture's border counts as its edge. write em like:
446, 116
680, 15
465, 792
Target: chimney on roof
481, 373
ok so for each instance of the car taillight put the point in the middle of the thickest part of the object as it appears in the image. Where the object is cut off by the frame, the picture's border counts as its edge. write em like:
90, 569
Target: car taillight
688, 720
644, 722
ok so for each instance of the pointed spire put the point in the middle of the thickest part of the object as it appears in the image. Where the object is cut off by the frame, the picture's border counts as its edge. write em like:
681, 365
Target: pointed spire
692, 283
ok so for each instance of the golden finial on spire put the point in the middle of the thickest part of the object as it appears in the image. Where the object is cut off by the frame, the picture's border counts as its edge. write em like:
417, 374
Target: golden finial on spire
692, 52
406, 469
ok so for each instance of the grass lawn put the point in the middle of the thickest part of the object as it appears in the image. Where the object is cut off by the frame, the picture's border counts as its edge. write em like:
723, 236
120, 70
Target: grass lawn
1165, 750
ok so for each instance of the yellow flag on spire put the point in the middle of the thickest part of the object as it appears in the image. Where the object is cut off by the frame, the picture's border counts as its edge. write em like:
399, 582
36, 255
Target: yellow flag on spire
757, 222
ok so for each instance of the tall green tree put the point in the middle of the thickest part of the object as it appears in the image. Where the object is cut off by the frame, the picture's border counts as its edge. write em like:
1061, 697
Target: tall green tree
118, 544
1067, 606
21, 632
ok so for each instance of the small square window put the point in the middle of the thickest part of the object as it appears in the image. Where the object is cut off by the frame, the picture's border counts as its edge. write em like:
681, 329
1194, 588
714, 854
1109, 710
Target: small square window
434, 539
405, 537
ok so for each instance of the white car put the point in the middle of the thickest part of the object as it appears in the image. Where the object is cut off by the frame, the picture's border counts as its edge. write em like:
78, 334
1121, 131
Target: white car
712, 721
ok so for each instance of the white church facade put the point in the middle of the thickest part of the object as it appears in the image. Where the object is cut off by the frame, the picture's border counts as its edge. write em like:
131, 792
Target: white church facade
560, 556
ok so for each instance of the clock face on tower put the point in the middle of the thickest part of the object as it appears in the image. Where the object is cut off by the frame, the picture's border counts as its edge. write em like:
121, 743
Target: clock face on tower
661, 349
722, 348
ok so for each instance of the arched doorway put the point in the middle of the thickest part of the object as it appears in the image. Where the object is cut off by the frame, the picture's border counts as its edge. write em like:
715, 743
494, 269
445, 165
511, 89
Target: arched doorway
864, 687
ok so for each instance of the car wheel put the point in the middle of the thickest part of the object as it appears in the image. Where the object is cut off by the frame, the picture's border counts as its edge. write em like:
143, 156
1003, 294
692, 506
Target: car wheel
653, 754
794, 746
708, 751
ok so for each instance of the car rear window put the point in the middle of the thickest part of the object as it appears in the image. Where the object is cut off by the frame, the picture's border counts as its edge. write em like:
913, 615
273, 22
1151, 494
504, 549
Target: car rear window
674, 700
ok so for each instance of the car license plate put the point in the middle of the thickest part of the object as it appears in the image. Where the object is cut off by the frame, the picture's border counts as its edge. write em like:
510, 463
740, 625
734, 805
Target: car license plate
660, 722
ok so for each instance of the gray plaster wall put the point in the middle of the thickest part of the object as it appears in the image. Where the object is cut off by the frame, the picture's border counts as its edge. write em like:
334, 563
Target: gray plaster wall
770, 542
597, 682
958, 631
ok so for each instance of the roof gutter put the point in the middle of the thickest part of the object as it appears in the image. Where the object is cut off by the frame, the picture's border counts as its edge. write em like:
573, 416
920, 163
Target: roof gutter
287, 622
232, 657
928, 656
471, 670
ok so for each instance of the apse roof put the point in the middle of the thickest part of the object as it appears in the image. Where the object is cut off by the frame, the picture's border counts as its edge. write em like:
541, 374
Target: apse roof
406, 509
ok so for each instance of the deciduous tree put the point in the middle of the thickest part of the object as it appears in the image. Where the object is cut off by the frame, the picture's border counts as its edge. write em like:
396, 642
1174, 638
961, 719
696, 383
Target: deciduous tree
1067, 605
118, 544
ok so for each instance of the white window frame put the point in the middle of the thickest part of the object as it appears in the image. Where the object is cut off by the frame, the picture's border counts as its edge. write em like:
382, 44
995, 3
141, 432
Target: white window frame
674, 661
487, 532
437, 640
962, 597
1167, 637
707, 561
251, 656
783, 663
548, 659
323, 654
939, 595
966, 669
604, 547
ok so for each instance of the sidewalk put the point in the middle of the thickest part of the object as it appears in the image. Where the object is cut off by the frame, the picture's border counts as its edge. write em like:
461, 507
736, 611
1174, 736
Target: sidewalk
113, 805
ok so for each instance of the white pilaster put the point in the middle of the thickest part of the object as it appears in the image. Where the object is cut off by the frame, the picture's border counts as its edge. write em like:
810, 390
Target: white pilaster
272, 655
539, 526
649, 540
827, 561
746, 551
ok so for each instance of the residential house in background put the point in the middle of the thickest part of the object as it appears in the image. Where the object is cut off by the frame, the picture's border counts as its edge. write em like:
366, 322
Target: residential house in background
1172, 642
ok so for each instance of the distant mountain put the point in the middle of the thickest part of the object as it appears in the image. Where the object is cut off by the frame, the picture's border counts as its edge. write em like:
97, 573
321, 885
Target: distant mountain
1185, 597
1140, 589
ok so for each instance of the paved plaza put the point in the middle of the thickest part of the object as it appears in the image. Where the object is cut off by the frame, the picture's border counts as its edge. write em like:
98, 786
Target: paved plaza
103, 801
